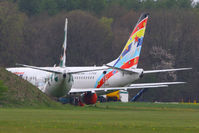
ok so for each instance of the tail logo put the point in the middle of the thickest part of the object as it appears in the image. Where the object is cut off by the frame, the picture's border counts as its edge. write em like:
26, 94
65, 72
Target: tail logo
130, 55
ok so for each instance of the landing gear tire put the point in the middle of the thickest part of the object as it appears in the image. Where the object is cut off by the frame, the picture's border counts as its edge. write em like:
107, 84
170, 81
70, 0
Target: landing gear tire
76, 101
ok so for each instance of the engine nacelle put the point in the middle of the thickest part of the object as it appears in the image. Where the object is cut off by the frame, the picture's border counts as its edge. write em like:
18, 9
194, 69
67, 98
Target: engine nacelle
89, 98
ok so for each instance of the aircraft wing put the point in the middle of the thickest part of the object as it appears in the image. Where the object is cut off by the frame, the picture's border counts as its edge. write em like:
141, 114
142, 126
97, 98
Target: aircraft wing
42, 68
153, 84
132, 86
88, 70
61, 70
165, 70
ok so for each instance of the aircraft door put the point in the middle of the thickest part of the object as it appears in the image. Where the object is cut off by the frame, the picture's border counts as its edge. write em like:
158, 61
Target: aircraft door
106, 83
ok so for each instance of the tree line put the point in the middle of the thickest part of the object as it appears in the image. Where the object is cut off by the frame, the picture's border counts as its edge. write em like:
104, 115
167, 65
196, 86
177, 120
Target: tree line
35, 7
31, 32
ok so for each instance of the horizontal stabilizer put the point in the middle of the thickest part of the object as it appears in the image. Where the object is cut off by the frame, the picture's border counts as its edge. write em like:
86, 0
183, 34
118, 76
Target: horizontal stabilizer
166, 70
129, 71
120, 69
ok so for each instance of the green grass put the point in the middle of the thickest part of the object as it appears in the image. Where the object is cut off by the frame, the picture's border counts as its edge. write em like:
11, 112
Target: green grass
106, 117
16, 92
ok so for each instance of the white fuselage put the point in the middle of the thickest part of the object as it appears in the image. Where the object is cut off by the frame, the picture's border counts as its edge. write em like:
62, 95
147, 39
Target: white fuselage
90, 79
59, 85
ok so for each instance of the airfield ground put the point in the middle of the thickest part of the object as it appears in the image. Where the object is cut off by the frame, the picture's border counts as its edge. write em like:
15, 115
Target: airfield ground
104, 117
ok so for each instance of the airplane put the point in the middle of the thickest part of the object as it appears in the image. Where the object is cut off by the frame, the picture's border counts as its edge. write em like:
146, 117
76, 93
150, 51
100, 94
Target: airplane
88, 82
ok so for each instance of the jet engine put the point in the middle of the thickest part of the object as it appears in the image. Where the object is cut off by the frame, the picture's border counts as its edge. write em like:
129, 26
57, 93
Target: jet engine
89, 98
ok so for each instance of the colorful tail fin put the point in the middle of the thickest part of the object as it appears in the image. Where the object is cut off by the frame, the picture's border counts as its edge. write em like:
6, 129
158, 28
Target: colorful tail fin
63, 58
131, 52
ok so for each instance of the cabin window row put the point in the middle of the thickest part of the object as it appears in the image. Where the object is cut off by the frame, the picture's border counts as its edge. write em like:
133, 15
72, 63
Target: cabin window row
83, 77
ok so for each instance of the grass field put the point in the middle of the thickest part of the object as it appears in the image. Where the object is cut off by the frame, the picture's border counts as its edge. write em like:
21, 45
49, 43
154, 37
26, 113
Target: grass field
106, 117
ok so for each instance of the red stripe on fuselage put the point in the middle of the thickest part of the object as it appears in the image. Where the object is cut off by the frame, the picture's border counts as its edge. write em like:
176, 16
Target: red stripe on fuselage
19, 73
126, 65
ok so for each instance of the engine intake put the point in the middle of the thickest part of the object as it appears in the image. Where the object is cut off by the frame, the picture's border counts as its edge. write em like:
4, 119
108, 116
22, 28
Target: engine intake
89, 98
64, 75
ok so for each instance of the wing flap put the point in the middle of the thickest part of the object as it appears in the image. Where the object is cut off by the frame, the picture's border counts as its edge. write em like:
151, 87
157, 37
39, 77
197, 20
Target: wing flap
154, 84
132, 86
81, 90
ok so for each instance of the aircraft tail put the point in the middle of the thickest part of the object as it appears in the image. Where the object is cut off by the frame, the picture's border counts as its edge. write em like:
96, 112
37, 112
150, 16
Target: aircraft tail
131, 52
63, 57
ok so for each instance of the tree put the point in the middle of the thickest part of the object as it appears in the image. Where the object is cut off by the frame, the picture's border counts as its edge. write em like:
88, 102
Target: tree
11, 32
114, 11
3, 89
87, 38
50, 6
185, 3
68, 5
44, 36
148, 4
97, 6
30, 7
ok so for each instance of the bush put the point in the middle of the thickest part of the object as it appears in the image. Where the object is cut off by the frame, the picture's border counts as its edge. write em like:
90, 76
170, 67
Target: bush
3, 89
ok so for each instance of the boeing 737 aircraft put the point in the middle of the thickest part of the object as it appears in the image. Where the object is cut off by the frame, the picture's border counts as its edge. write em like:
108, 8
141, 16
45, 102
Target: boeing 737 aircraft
87, 82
